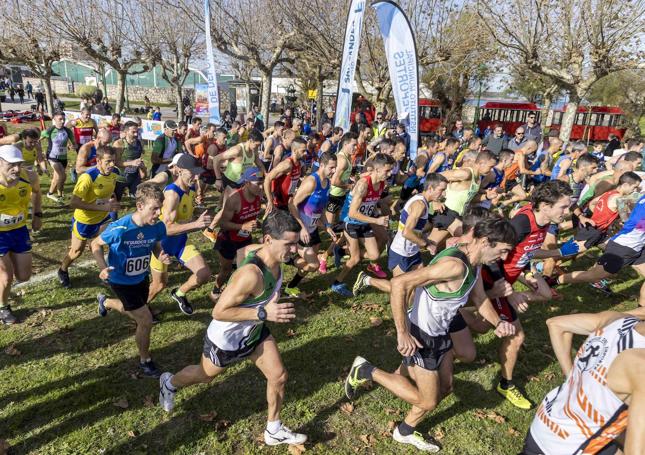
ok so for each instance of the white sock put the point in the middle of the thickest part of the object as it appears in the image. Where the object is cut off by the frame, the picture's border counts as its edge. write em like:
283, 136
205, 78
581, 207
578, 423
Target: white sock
368, 280
273, 427
169, 384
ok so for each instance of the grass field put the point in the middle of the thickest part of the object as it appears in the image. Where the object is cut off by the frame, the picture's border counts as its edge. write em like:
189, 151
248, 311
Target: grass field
69, 382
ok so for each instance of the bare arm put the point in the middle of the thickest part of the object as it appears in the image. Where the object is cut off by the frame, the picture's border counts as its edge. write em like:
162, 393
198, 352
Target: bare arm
358, 193
231, 206
564, 167
456, 175
340, 168
10, 139
486, 309
230, 154
245, 283
437, 160
81, 159
170, 205
307, 187
281, 169
98, 253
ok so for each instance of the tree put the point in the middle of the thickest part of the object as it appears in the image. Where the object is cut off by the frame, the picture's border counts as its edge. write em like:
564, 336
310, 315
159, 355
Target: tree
625, 89
24, 40
106, 32
171, 42
576, 42
251, 31
536, 88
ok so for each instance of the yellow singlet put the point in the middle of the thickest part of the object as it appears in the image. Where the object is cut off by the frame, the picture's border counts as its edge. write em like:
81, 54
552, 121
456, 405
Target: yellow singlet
14, 203
94, 188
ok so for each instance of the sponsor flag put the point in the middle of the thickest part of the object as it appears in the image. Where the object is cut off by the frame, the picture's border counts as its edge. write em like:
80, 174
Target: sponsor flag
213, 95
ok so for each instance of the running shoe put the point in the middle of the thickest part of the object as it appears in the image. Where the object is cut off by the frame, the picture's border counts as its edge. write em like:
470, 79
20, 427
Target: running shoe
361, 283
63, 277
199, 206
356, 377
293, 292
182, 301
376, 270
338, 256
284, 436
513, 395
53, 197
101, 298
215, 293
6, 316
602, 286
150, 369
425, 443
166, 393
210, 234
341, 288
322, 268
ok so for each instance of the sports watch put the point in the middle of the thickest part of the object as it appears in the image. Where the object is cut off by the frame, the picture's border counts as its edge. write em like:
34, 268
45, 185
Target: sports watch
262, 313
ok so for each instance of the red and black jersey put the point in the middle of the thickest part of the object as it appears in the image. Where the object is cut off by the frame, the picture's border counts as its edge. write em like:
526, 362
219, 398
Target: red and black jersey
285, 186
249, 210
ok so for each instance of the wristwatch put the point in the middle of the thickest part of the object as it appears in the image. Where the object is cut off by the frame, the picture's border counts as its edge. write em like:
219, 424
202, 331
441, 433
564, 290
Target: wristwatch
262, 313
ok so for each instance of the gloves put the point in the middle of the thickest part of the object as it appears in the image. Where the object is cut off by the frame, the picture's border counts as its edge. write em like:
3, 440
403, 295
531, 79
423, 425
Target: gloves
569, 248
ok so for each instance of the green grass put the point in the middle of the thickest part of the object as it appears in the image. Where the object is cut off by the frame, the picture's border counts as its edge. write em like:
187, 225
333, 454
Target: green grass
58, 395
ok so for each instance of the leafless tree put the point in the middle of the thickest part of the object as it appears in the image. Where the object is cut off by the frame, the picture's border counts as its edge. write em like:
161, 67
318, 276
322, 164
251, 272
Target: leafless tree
576, 42
105, 31
23, 39
170, 41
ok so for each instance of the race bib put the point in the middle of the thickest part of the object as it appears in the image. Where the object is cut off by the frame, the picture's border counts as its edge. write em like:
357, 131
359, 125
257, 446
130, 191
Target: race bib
292, 189
10, 220
137, 266
243, 233
314, 219
367, 209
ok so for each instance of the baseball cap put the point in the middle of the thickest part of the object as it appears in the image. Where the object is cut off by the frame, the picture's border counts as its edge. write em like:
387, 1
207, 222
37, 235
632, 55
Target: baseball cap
251, 174
11, 154
170, 124
185, 161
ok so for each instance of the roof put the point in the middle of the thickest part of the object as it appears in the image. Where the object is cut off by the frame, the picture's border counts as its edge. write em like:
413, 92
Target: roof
595, 109
519, 106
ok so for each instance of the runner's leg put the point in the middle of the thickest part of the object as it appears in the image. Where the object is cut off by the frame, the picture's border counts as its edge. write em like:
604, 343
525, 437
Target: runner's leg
267, 358
201, 274
75, 251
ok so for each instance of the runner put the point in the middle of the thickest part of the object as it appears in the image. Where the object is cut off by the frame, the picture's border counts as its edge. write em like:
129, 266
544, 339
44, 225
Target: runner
238, 329
130, 151
603, 396
493, 181
307, 207
17, 191
359, 211
419, 170
93, 200
86, 157
564, 164
28, 142
204, 148
238, 219
131, 240
443, 159
59, 139
114, 126
283, 150
331, 143
270, 144
439, 290
177, 211
281, 183
164, 148
84, 127
340, 185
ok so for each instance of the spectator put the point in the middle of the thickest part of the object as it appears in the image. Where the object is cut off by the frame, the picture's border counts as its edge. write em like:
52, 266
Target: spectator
496, 141
458, 131
613, 144
400, 132
12, 93
58, 103
156, 115
188, 114
21, 94
518, 140
532, 129
40, 101
30, 90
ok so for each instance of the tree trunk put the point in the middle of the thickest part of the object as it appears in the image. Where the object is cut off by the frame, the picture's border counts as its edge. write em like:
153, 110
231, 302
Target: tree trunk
569, 116
49, 100
319, 98
120, 90
265, 101
180, 103
544, 114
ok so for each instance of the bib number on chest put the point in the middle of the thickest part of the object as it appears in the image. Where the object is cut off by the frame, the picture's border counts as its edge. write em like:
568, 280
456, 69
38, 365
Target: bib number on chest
367, 210
10, 220
137, 266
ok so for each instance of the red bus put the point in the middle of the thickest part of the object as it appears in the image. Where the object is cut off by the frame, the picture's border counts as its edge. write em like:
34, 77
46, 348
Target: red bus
429, 116
593, 123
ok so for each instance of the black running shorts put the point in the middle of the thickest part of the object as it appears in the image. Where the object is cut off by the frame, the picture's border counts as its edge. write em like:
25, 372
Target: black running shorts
434, 349
222, 358
132, 296
617, 256
444, 219
335, 203
359, 231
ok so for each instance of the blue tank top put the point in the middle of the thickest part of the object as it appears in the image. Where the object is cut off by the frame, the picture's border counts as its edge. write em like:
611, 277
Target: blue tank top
312, 208
558, 165
446, 165
499, 176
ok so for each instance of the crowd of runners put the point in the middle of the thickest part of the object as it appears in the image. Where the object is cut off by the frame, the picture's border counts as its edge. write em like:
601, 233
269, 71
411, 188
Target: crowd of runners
457, 226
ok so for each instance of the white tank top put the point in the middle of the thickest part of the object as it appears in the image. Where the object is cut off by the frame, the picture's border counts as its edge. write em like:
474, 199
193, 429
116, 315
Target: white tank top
400, 245
583, 415
432, 309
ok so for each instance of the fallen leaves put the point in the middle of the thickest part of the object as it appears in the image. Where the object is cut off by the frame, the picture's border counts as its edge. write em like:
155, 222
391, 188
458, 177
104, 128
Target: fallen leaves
513, 432
439, 434
208, 417
121, 403
148, 401
12, 350
296, 449
221, 425
347, 408
291, 333
391, 425
367, 439
132, 434
491, 415
375, 321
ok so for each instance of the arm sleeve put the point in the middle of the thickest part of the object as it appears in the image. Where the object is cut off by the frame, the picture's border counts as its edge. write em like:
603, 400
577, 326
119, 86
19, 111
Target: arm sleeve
521, 225
111, 233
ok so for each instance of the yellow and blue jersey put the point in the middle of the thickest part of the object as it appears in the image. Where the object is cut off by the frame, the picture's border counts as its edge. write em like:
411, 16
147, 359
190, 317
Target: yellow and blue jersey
130, 248
93, 187
14, 203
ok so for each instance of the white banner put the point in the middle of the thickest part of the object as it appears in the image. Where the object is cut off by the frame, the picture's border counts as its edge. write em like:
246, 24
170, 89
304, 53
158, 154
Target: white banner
150, 129
401, 53
213, 95
348, 65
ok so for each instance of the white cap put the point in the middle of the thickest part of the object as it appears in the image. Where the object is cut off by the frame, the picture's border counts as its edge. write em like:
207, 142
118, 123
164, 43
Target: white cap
174, 160
11, 154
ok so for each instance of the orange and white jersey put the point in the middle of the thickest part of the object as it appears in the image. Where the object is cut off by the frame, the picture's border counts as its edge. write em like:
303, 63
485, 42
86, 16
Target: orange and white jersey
583, 415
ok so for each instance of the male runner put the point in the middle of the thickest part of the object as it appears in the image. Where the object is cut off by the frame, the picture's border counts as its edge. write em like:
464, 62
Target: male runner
439, 290
164, 148
93, 200
86, 157
359, 211
238, 219
331, 143
603, 396
17, 190
177, 213
131, 151
282, 151
270, 144
281, 183
237, 330
28, 142
307, 207
564, 164
59, 139
84, 127
131, 241
443, 159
